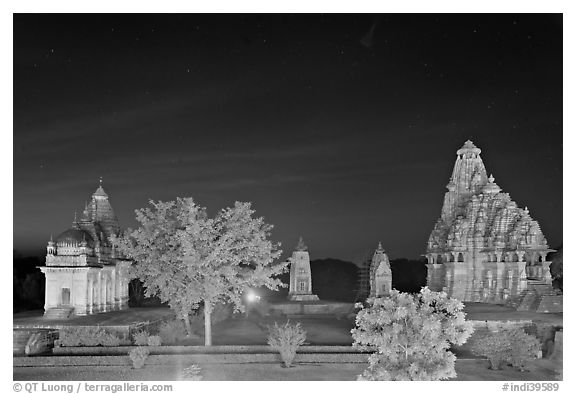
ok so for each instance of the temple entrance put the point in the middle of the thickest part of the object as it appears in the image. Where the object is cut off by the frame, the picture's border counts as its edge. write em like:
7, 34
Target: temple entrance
65, 296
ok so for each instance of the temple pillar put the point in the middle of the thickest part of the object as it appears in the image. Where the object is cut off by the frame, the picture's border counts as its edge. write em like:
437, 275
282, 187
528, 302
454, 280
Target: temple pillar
90, 295
79, 291
102, 291
498, 256
543, 256
113, 288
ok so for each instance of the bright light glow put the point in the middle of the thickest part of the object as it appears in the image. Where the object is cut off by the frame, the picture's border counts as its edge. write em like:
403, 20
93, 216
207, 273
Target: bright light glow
252, 297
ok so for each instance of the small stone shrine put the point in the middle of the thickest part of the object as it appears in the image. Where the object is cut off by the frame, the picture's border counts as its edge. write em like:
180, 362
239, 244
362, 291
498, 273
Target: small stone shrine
300, 275
380, 273
484, 248
84, 274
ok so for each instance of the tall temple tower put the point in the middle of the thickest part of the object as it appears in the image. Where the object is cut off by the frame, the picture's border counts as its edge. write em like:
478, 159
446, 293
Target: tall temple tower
380, 273
484, 248
84, 274
300, 275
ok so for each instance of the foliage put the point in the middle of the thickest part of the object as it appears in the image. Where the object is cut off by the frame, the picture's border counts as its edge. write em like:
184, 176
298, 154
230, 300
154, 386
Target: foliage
286, 339
154, 340
326, 272
524, 347
141, 338
87, 336
172, 332
513, 346
192, 373
186, 258
412, 334
27, 282
495, 347
557, 269
138, 355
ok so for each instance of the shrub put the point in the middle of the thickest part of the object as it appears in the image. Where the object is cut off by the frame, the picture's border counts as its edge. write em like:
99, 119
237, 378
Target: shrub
154, 340
412, 335
286, 339
192, 373
172, 332
141, 338
524, 347
495, 347
87, 336
138, 356
512, 346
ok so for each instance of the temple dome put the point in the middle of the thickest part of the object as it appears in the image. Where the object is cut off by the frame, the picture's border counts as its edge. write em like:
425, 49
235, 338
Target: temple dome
75, 236
469, 147
100, 192
491, 186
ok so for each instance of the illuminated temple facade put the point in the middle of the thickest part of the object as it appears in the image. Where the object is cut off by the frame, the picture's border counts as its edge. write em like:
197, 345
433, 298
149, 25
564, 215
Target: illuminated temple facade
380, 273
484, 248
84, 274
301, 275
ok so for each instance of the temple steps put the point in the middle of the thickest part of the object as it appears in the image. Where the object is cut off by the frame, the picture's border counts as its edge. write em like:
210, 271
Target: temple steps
538, 297
59, 313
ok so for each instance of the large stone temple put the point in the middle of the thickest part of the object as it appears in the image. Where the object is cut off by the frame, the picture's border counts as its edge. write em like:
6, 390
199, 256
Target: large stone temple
380, 273
484, 248
84, 274
300, 275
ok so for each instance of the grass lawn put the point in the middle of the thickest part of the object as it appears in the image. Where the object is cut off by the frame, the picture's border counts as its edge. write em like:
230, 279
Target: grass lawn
538, 370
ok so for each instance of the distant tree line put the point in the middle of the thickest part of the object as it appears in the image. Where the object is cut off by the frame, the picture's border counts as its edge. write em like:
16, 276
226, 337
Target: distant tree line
338, 280
27, 283
557, 269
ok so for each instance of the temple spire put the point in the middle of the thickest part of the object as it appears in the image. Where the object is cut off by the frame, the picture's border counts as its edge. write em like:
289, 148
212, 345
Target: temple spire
75, 222
100, 191
301, 245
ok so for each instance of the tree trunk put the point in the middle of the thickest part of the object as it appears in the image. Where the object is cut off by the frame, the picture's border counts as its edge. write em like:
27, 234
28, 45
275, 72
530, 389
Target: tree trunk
207, 325
186, 319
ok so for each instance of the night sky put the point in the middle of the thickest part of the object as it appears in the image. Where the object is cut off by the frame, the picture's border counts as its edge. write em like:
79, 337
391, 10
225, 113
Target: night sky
339, 128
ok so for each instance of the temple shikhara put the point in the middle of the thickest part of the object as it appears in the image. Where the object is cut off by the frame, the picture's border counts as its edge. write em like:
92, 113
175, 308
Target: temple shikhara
484, 248
300, 275
380, 273
83, 273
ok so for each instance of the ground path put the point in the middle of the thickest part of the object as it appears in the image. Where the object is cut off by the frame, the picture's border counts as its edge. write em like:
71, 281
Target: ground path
539, 370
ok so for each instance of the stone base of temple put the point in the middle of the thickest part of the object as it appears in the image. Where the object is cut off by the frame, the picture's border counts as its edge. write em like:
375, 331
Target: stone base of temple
59, 313
489, 282
312, 308
303, 297
538, 297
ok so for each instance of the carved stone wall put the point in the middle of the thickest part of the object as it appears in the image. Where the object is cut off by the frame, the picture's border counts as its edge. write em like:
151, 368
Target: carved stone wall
483, 247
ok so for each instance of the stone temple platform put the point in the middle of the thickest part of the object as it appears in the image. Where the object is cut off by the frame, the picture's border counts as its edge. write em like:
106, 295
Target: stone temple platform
27, 325
121, 322
308, 308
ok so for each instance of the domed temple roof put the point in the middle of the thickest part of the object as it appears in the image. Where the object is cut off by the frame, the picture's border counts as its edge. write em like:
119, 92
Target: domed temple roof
75, 236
